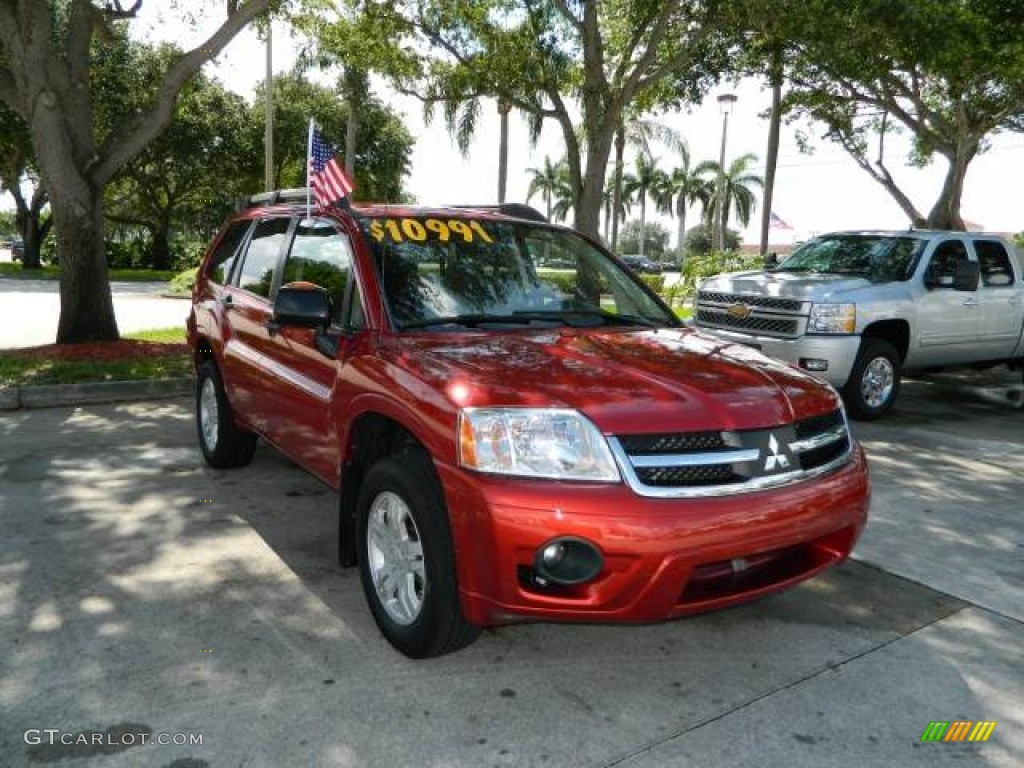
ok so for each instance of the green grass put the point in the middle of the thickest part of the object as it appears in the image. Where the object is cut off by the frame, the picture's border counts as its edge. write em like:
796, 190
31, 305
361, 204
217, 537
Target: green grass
172, 335
26, 371
53, 273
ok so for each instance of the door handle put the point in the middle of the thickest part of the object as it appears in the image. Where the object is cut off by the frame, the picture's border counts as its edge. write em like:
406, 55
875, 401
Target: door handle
970, 302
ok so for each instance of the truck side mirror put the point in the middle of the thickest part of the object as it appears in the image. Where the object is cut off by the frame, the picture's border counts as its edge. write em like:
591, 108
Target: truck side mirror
302, 304
967, 274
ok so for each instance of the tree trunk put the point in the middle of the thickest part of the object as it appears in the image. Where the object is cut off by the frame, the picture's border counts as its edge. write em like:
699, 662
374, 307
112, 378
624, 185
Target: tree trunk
643, 220
503, 109
620, 151
86, 306
32, 234
160, 253
681, 234
772, 153
945, 214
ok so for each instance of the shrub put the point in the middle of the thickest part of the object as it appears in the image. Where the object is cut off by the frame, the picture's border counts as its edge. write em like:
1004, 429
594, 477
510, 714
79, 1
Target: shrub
698, 268
655, 282
183, 281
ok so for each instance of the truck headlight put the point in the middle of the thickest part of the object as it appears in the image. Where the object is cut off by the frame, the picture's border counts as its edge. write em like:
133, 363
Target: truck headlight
556, 443
832, 318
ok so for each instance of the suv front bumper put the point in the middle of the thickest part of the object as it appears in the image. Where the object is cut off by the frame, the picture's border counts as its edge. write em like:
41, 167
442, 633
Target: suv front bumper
663, 558
839, 352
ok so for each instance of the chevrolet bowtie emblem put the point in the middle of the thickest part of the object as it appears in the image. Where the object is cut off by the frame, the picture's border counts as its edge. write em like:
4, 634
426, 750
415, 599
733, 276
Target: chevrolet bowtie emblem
739, 311
775, 459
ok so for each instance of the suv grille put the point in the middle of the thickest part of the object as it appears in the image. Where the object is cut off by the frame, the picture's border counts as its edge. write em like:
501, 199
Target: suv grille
721, 463
766, 315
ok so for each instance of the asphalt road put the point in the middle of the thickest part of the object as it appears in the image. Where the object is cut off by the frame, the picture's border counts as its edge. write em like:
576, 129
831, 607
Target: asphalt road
141, 592
30, 310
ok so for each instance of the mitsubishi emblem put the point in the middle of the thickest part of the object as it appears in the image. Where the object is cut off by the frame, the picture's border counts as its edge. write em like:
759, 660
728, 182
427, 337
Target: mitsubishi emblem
775, 459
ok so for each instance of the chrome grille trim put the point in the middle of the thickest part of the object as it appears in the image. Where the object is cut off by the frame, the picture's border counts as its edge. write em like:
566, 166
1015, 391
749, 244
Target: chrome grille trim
645, 461
743, 461
825, 438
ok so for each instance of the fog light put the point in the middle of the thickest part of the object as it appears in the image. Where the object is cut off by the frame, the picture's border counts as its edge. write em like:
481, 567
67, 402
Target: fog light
813, 364
568, 560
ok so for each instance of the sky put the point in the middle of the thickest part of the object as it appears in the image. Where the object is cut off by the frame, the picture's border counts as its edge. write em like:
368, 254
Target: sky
814, 193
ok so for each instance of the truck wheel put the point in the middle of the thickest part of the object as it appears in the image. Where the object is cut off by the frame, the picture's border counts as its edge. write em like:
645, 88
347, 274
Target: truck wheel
224, 444
874, 381
406, 560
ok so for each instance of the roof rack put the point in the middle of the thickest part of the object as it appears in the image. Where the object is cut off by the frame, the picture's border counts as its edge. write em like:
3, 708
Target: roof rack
295, 196
516, 210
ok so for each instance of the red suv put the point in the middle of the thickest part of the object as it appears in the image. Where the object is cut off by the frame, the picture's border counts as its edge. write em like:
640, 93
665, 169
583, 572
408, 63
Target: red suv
511, 441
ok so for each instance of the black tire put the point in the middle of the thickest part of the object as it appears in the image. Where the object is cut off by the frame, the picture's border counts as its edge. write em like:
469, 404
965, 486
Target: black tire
404, 489
874, 381
224, 443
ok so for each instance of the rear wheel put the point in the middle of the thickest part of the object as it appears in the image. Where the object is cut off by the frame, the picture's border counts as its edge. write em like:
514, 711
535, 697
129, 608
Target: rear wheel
874, 381
224, 444
406, 559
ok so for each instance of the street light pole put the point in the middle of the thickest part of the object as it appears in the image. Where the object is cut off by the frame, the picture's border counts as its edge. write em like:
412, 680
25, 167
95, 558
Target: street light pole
268, 94
725, 104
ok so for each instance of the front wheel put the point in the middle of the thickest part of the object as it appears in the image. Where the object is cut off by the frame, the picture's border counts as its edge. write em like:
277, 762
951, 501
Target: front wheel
223, 442
874, 381
406, 558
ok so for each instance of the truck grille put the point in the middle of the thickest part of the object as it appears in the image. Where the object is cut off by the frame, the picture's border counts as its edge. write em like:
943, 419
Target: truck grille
723, 463
782, 327
764, 315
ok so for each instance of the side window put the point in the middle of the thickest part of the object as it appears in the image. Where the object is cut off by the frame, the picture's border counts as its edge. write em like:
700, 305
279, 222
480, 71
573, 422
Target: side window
320, 255
257, 275
996, 270
227, 249
942, 268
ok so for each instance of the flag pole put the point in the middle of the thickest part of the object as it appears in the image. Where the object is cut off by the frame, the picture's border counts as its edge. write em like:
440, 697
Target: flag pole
309, 165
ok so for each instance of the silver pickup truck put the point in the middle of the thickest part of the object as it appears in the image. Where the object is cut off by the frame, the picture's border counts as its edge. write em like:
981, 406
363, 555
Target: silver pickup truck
860, 308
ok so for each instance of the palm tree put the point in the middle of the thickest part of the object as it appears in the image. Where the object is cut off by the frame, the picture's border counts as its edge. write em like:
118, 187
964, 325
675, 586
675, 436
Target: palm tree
737, 188
683, 187
563, 195
549, 181
637, 186
608, 200
641, 135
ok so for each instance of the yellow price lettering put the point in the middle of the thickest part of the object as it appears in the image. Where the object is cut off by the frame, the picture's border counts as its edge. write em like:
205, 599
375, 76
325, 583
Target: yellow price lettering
397, 231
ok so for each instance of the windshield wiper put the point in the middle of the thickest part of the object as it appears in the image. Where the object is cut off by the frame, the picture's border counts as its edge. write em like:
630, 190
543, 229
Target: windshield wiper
467, 321
606, 318
575, 318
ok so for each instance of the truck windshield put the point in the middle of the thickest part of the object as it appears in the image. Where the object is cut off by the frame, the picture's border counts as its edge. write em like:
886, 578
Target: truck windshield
449, 274
878, 258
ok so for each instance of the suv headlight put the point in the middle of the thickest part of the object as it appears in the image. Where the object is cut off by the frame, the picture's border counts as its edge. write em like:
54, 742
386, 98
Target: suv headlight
832, 318
556, 443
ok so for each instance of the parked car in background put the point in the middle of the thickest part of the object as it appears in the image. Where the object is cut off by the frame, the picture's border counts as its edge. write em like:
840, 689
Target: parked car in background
17, 248
511, 443
861, 308
641, 264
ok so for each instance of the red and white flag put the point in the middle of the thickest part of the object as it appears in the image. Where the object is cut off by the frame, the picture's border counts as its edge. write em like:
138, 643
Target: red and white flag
775, 221
326, 177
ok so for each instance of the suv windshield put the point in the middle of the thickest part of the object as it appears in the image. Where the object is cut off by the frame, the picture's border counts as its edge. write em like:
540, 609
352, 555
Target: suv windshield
878, 258
457, 273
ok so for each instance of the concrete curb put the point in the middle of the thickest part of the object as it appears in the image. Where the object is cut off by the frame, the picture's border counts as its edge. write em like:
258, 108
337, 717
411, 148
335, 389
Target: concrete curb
52, 395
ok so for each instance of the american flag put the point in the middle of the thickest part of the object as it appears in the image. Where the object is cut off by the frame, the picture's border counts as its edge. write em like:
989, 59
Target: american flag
326, 176
774, 220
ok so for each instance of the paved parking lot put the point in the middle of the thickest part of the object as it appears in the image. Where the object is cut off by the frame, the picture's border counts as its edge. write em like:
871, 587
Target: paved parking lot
141, 592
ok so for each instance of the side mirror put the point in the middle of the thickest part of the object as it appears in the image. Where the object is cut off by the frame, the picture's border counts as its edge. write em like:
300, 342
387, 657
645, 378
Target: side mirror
967, 274
303, 305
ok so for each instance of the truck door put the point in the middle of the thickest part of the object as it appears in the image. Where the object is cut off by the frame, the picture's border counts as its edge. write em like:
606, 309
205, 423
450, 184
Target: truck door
246, 311
301, 374
949, 321
1002, 311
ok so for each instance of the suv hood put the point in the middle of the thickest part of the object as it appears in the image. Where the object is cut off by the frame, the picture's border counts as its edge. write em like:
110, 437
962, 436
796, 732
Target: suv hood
663, 380
804, 286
